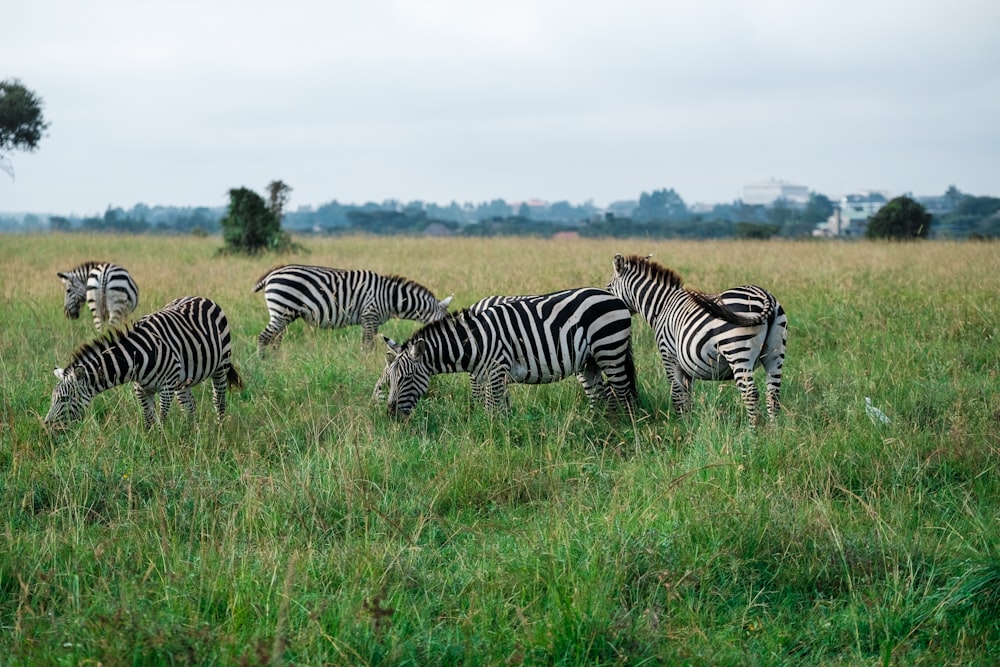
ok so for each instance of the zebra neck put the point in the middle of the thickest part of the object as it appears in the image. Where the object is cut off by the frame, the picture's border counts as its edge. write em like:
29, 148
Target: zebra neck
115, 366
658, 301
452, 352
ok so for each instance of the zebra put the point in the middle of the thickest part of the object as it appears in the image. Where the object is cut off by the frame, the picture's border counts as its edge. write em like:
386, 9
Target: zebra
530, 340
166, 352
334, 298
478, 391
109, 290
707, 337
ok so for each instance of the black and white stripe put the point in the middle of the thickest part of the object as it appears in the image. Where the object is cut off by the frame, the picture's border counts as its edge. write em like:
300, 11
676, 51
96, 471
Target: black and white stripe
530, 340
109, 290
165, 353
333, 298
478, 392
707, 337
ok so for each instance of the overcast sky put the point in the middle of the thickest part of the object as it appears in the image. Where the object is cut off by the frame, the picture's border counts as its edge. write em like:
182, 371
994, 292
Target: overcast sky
174, 103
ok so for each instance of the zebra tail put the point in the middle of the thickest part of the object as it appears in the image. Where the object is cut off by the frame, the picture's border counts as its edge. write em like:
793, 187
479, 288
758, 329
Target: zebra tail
233, 378
259, 285
723, 312
102, 297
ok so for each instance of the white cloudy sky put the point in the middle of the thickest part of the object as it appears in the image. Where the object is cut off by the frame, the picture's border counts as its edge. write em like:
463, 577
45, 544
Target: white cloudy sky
174, 103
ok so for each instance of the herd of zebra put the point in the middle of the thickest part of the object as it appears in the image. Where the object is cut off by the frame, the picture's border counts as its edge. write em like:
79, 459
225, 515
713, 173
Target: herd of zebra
530, 339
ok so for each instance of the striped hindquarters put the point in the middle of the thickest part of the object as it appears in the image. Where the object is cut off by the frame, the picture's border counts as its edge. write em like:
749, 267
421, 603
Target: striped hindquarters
111, 294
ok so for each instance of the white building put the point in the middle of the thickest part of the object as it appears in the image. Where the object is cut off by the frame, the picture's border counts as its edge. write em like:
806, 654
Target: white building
766, 193
851, 214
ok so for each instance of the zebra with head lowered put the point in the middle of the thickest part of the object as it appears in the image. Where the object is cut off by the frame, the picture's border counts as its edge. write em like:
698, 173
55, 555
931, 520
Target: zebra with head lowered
529, 340
109, 290
333, 298
707, 337
166, 352
478, 392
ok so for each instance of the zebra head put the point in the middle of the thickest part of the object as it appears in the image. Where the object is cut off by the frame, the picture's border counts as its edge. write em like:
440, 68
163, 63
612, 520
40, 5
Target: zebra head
70, 397
621, 281
76, 294
440, 310
406, 374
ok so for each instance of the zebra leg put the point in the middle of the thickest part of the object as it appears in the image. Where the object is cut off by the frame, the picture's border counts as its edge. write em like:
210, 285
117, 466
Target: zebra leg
593, 384
621, 384
680, 389
274, 331
219, 387
497, 396
478, 388
145, 401
774, 361
166, 399
751, 397
186, 399
369, 327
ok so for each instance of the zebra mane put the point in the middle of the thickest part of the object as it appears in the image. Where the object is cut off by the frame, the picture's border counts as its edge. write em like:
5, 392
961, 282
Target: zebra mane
449, 321
670, 278
655, 271
86, 266
98, 346
403, 281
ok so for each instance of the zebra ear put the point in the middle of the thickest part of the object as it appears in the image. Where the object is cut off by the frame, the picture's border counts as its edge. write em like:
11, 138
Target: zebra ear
444, 303
418, 348
393, 346
619, 263
59, 373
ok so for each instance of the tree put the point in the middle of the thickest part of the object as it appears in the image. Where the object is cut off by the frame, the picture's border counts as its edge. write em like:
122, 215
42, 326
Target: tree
278, 195
818, 209
900, 219
250, 225
21, 120
660, 205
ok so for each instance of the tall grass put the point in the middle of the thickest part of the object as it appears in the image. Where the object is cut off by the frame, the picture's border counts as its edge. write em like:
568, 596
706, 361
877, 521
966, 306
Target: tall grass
310, 528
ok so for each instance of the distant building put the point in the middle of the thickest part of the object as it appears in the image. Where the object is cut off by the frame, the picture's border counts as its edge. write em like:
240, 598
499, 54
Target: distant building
766, 193
622, 208
938, 206
851, 214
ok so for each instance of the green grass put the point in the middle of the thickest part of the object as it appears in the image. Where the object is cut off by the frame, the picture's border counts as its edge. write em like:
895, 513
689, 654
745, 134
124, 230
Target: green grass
309, 528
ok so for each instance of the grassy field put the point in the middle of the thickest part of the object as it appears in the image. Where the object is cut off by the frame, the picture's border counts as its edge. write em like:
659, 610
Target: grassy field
310, 528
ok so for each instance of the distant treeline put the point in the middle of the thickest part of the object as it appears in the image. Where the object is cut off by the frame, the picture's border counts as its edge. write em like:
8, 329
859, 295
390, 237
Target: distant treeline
660, 214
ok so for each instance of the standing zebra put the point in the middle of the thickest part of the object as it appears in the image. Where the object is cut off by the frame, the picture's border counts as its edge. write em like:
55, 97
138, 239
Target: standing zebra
334, 298
707, 337
166, 352
108, 289
530, 340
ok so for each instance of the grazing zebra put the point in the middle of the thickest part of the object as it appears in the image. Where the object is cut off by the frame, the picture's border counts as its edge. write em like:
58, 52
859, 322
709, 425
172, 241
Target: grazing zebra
166, 352
478, 391
707, 337
530, 340
108, 289
334, 298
